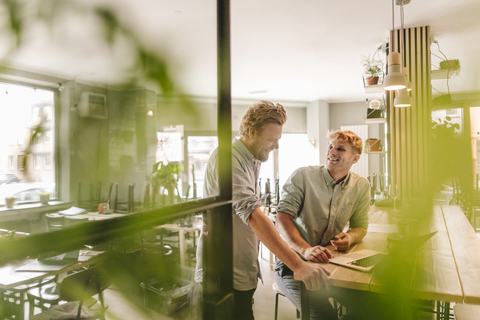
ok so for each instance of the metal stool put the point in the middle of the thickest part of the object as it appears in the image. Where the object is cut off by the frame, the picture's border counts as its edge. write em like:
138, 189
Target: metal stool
277, 293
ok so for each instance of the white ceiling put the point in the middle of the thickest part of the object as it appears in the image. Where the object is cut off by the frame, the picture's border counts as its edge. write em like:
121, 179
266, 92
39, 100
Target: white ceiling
283, 50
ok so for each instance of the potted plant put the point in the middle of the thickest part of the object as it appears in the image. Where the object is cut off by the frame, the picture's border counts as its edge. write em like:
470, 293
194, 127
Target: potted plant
452, 65
444, 130
372, 144
372, 69
166, 176
45, 197
9, 202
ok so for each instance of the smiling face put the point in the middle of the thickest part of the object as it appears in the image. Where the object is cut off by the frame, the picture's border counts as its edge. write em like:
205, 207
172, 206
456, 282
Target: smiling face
261, 143
340, 158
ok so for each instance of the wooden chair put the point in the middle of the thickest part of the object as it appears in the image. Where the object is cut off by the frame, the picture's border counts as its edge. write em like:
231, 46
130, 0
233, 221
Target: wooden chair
42, 298
76, 289
55, 221
14, 299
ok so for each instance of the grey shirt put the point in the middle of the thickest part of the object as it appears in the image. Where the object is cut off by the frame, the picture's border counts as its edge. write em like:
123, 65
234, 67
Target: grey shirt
321, 207
245, 197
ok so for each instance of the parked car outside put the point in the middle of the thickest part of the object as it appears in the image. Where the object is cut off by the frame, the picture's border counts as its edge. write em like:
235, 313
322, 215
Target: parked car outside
8, 178
26, 192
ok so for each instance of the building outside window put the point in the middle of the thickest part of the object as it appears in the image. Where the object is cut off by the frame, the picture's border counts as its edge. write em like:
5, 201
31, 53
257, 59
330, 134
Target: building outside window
48, 113
11, 162
36, 162
20, 160
24, 108
47, 164
47, 137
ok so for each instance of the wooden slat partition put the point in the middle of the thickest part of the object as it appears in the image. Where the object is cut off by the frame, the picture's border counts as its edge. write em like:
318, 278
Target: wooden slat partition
409, 127
466, 248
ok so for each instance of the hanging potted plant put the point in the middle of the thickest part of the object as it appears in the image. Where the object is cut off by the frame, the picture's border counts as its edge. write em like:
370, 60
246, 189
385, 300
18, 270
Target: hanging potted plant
372, 69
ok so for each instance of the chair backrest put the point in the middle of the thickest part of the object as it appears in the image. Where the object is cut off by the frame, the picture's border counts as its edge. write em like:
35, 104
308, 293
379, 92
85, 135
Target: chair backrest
84, 284
55, 221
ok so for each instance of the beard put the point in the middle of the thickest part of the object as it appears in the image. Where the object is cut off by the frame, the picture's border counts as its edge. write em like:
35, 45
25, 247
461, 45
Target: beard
263, 155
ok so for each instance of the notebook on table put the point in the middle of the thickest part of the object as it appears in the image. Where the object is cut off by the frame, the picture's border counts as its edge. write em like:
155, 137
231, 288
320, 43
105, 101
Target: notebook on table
51, 261
365, 260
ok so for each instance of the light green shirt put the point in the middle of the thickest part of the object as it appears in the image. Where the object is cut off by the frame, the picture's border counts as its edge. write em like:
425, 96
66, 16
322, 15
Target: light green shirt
321, 207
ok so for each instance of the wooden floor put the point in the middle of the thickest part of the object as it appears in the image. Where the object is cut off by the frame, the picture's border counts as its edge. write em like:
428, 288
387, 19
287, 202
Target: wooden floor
264, 306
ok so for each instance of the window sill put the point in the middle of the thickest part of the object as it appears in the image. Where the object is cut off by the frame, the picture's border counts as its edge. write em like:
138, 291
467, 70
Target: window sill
31, 211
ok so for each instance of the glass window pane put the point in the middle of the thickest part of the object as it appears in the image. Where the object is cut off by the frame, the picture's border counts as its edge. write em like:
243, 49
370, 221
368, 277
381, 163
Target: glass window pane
199, 150
26, 177
295, 151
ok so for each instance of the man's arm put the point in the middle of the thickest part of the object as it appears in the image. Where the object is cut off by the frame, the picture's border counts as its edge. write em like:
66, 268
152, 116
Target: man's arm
345, 240
291, 235
313, 275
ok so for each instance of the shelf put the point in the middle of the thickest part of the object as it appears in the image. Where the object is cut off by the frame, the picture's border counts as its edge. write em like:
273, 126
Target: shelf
441, 74
376, 152
378, 88
375, 120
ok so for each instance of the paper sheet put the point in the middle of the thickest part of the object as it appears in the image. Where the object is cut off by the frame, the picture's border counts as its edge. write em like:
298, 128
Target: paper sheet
72, 211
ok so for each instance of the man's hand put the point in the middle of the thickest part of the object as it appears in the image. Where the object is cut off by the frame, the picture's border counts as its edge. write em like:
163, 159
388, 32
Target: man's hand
342, 242
313, 275
317, 254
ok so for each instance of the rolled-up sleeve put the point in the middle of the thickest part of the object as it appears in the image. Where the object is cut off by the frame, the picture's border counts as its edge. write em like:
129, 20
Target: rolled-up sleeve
359, 217
293, 194
245, 199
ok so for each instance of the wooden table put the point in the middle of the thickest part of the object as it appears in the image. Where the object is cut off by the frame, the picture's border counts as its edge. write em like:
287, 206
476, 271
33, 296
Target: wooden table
94, 216
10, 277
446, 267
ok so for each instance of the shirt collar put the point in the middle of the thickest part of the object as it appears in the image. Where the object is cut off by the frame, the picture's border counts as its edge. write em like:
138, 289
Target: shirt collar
332, 182
244, 150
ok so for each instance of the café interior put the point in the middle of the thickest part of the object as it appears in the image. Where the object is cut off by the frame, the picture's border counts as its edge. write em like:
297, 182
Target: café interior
110, 112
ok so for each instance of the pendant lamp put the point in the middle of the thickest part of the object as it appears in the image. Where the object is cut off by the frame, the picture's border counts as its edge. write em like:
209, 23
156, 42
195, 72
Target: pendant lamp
395, 80
403, 99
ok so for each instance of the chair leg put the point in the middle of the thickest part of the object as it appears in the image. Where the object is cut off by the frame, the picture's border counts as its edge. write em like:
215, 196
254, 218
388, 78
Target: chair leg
79, 311
276, 306
102, 304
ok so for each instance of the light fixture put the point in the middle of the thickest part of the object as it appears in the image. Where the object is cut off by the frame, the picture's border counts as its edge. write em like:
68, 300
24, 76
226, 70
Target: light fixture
395, 79
403, 99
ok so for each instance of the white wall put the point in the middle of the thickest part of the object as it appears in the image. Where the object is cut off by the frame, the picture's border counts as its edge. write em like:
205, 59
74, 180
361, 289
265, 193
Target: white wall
318, 119
354, 113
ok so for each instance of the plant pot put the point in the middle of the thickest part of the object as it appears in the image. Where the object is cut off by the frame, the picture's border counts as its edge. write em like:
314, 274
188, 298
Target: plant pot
450, 64
372, 80
374, 145
44, 198
9, 202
